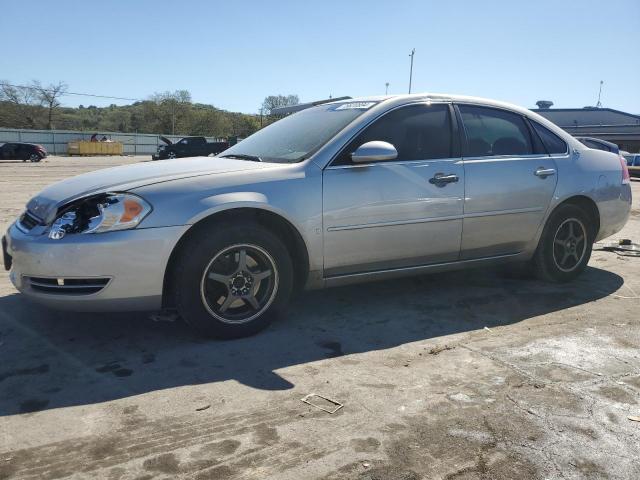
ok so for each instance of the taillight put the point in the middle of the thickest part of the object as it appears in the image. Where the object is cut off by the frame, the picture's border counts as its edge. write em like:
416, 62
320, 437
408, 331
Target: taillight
626, 178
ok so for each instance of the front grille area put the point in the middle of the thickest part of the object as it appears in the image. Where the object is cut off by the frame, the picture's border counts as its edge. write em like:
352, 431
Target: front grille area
67, 286
28, 221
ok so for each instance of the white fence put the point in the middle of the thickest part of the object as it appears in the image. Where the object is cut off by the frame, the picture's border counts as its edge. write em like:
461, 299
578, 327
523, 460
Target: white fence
55, 141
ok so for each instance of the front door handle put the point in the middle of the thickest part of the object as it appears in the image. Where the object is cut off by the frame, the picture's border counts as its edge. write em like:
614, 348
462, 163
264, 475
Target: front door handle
544, 172
440, 179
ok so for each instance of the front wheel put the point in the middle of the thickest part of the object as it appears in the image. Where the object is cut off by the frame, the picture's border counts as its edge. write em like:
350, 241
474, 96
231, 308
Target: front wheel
565, 246
34, 158
232, 280
171, 155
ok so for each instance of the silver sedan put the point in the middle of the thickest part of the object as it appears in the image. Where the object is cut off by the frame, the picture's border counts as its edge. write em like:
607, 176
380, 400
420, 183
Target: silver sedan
343, 192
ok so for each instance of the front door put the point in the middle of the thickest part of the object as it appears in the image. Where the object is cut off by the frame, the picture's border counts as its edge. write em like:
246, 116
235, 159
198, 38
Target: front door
510, 180
395, 214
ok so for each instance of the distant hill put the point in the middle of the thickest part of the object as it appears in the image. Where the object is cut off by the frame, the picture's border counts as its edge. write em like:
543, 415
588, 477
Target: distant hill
147, 116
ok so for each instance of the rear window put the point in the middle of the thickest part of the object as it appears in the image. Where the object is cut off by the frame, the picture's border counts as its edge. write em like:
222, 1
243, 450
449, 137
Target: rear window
552, 142
596, 145
494, 132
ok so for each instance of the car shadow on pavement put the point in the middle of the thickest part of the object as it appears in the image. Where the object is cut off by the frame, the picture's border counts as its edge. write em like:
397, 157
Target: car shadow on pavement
56, 359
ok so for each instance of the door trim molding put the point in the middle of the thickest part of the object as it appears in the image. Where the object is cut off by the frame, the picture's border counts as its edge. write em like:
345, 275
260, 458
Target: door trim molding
434, 219
493, 213
394, 223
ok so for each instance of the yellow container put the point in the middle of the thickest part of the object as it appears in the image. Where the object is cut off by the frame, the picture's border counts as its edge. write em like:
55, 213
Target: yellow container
94, 148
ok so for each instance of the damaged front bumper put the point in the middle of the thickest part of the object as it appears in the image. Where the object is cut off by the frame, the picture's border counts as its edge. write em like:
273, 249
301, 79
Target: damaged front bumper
114, 271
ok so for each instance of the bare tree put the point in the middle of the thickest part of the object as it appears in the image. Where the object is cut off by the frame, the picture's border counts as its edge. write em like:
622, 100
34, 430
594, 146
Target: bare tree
23, 104
49, 97
277, 101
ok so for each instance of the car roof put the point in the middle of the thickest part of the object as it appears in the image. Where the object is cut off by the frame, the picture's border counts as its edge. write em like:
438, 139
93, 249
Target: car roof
397, 100
412, 97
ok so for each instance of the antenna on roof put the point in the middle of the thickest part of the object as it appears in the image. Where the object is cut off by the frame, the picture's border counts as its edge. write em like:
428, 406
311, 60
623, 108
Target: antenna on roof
599, 104
413, 52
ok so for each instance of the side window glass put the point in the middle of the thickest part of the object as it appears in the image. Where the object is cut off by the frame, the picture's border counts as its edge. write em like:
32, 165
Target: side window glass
492, 132
419, 132
552, 142
598, 146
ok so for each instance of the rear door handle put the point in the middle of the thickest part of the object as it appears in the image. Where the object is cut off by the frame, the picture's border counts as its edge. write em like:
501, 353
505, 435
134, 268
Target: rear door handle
440, 179
544, 172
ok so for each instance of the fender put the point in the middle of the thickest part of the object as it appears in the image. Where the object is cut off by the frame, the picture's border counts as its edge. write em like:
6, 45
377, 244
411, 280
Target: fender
232, 200
222, 202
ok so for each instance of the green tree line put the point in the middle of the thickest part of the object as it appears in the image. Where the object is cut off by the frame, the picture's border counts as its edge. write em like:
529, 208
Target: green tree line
38, 107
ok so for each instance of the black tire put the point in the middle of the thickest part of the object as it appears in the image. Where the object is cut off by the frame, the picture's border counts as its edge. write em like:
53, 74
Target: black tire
34, 158
561, 256
218, 243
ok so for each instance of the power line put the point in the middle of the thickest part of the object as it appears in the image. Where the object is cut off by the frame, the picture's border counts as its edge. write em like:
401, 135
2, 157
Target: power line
75, 93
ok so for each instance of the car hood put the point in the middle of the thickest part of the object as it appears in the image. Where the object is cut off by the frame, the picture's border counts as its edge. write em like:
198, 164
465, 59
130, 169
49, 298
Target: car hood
128, 177
165, 140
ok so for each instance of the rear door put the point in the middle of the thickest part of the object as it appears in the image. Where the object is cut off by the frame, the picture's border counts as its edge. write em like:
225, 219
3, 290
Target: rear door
395, 214
196, 146
509, 181
21, 151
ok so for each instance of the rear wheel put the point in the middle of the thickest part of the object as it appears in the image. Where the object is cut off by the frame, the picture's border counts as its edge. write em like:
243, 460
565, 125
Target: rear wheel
565, 246
232, 280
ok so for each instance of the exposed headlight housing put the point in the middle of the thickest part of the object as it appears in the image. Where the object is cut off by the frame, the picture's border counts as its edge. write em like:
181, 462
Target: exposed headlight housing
102, 213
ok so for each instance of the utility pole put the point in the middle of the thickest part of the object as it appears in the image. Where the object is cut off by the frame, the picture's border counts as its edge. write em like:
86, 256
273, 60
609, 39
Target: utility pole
386, 88
599, 104
413, 51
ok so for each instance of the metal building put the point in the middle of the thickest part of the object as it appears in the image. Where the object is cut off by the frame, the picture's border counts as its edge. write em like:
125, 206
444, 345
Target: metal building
608, 124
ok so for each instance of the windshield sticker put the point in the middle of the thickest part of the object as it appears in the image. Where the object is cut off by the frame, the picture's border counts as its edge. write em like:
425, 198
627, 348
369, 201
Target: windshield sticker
356, 106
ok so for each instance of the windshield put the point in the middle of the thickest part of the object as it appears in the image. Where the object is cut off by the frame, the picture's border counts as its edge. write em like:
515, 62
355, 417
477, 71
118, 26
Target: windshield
297, 136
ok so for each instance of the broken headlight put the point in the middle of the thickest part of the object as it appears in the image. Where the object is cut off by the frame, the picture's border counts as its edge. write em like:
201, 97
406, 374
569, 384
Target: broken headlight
103, 213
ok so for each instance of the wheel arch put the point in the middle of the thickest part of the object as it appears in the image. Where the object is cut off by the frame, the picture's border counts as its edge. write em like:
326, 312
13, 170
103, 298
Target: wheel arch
274, 222
588, 205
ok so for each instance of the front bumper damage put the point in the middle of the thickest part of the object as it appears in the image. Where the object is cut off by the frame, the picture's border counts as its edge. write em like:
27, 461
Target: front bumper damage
115, 271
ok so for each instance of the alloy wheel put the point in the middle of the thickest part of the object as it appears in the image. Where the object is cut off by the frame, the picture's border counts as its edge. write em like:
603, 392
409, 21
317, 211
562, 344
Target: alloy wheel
239, 283
569, 244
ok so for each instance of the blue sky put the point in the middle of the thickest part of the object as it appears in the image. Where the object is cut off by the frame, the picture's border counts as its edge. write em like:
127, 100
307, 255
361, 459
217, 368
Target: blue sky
234, 53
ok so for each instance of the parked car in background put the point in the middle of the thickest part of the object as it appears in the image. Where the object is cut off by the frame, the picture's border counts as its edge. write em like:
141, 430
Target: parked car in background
22, 151
633, 163
598, 144
188, 147
344, 192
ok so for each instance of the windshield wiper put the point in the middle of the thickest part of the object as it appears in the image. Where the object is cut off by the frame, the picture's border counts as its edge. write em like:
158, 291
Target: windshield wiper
242, 156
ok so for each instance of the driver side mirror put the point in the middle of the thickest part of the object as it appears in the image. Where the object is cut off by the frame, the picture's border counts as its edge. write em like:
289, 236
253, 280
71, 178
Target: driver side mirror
375, 151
